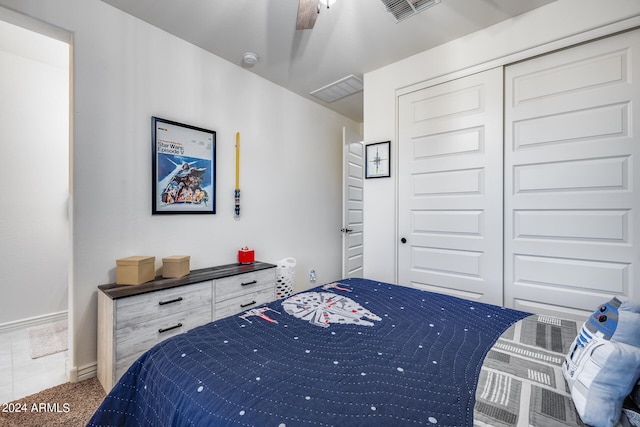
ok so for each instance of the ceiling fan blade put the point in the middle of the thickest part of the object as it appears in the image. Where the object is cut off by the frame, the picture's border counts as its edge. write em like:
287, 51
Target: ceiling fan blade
307, 14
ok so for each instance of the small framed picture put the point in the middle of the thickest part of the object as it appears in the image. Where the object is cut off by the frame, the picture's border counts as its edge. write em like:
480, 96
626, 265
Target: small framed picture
183, 168
377, 160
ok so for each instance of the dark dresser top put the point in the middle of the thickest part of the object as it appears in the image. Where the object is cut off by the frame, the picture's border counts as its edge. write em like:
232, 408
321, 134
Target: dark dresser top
115, 291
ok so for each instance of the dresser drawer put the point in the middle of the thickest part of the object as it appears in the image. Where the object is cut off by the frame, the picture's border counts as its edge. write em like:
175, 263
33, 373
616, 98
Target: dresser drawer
132, 341
244, 302
131, 318
242, 284
157, 305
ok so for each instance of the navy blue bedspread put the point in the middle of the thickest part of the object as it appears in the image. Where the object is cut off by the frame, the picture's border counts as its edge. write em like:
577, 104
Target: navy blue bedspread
355, 352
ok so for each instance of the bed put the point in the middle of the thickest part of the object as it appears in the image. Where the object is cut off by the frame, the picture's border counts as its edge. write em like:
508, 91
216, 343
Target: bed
354, 352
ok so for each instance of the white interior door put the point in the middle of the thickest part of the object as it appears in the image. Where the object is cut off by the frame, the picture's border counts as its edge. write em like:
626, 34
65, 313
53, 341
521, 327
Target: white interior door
353, 185
571, 158
450, 188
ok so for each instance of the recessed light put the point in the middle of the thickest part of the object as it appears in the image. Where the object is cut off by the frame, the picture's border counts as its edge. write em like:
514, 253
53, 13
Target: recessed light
327, 3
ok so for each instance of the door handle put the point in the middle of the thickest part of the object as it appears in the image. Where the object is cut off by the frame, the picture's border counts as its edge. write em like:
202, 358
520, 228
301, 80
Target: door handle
403, 240
346, 230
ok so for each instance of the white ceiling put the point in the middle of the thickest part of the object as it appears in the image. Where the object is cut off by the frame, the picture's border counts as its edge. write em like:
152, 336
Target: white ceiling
352, 37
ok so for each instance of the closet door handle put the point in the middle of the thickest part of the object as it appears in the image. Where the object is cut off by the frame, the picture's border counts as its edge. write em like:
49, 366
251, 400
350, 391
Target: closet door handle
403, 240
170, 301
249, 283
247, 304
179, 325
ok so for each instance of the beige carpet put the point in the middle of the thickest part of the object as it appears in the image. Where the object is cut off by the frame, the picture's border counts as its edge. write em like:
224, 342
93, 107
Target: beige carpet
70, 404
47, 339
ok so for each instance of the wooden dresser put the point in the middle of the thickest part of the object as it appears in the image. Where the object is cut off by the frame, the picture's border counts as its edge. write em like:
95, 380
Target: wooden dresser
133, 318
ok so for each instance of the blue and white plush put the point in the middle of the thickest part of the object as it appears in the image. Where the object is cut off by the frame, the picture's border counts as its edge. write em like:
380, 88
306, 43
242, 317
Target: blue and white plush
603, 363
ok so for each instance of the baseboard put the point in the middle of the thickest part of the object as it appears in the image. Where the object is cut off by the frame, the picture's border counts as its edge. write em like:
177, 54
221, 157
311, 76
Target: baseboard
81, 373
34, 321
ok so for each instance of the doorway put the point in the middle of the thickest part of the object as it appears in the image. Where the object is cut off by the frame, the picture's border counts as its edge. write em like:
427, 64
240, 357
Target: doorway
352, 209
35, 225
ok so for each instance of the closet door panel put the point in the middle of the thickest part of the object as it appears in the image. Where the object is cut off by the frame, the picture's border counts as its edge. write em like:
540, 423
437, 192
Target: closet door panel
571, 202
450, 188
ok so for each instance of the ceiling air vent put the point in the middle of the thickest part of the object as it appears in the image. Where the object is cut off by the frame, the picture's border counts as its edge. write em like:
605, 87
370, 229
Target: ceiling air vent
403, 9
339, 89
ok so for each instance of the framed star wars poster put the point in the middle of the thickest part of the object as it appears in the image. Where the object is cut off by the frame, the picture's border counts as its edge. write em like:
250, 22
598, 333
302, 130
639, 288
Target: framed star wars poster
183, 168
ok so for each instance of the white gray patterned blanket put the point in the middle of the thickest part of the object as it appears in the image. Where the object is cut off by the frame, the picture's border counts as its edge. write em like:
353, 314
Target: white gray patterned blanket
521, 382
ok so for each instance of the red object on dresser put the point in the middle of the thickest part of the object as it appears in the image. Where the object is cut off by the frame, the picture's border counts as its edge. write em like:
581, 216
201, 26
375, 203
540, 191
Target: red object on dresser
246, 256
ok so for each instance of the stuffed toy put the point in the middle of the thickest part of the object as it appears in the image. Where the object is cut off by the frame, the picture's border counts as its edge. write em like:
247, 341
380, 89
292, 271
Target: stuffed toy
603, 363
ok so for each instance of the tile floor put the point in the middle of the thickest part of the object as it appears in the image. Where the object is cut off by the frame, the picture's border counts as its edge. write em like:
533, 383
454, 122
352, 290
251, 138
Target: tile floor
20, 375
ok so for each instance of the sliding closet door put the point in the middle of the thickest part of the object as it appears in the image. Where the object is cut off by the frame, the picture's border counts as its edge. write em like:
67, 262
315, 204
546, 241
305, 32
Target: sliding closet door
450, 188
572, 186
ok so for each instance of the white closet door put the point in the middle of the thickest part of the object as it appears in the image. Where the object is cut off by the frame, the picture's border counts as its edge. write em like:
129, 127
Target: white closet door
450, 188
571, 167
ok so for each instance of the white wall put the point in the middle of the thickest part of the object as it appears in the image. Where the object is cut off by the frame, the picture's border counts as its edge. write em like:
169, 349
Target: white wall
34, 136
125, 71
536, 30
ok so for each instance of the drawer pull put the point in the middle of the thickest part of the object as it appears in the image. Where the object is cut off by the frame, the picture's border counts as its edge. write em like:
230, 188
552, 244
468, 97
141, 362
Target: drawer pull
253, 282
179, 325
170, 301
247, 304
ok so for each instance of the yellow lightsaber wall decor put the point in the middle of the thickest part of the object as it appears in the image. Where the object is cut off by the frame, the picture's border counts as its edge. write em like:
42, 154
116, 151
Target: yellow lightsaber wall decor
236, 214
